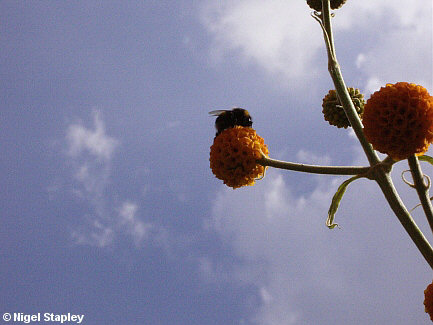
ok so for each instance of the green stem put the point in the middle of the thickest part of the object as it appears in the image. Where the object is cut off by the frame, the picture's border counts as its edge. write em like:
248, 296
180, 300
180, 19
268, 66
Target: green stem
421, 188
327, 170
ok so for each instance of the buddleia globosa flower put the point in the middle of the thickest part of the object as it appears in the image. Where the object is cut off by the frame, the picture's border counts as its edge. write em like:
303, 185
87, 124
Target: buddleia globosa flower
234, 154
317, 4
334, 112
398, 120
428, 300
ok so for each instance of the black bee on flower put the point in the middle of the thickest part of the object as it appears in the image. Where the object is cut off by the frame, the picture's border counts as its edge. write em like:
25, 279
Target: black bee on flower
229, 118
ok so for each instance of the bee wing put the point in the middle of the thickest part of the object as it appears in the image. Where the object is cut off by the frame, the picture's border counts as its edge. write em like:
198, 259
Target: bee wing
218, 112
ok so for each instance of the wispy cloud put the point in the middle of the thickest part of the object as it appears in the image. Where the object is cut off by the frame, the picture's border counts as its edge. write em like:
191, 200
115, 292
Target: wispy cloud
308, 157
93, 141
90, 151
93, 233
128, 217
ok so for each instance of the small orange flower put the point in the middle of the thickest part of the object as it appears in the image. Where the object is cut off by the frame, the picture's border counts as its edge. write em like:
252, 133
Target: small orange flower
428, 300
234, 155
398, 120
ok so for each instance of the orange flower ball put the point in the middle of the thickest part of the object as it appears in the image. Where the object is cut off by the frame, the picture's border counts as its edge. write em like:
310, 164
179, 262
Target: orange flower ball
428, 300
234, 155
398, 120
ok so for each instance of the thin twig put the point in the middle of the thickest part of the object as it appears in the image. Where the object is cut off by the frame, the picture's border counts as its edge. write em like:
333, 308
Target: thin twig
421, 188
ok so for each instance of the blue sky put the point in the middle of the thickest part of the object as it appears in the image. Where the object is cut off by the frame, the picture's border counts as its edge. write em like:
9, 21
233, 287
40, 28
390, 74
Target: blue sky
109, 208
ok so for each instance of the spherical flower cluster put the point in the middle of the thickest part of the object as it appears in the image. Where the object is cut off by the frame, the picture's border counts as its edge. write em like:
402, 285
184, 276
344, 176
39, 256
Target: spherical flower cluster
334, 112
317, 4
234, 155
398, 120
428, 300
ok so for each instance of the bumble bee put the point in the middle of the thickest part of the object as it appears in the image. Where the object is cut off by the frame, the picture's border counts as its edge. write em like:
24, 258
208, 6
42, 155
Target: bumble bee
229, 118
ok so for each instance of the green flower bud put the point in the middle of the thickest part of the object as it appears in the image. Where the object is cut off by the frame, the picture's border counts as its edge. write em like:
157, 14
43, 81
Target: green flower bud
334, 112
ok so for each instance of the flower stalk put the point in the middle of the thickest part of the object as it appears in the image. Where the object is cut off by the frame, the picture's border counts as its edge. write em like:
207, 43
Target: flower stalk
382, 176
315, 169
340, 86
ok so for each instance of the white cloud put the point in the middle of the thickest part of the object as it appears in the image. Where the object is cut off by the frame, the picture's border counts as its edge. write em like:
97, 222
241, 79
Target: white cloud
360, 60
305, 273
137, 228
96, 234
93, 178
405, 54
269, 227
271, 34
281, 37
265, 295
402, 50
373, 84
406, 13
305, 156
96, 142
